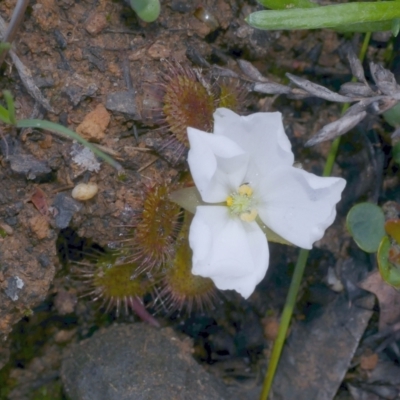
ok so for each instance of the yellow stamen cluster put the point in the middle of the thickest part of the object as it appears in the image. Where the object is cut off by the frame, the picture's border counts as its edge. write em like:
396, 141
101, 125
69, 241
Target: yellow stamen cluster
241, 203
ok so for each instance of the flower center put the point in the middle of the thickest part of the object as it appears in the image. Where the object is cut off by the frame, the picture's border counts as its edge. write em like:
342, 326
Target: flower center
241, 203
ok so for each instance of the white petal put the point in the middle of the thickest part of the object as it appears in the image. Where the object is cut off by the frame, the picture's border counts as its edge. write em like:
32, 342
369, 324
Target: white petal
217, 164
260, 134
233, 253
298, 205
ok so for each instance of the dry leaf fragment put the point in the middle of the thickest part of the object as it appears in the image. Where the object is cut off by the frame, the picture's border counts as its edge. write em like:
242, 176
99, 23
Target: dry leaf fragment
369, 361
388, 298
385, 80
336, 128
356, 67
271, 88
39, 226
251, 71
39, 200
317, 90
356, 89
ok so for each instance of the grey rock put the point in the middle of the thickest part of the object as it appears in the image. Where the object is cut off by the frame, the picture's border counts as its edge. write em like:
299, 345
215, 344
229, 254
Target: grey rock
94, 56
14, 285
77, 87
66, 207
29, 166
136, 362
123, 102
318, 354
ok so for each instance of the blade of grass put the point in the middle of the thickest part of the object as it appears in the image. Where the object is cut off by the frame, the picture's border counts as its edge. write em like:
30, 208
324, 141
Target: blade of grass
331, 16
285, 321
4, 46
10, 106
299, 270
4, 117
65, 132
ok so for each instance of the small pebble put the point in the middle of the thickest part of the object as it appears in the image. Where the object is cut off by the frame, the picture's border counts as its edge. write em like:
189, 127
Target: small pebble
207, 17
94, 124
96, 23
85, 191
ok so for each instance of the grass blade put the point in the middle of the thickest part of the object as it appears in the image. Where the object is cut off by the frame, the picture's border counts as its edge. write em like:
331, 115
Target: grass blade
332, 16
65, 132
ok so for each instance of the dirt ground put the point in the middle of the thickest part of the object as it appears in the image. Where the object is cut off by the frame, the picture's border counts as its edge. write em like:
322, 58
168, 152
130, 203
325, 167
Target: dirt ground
101, 70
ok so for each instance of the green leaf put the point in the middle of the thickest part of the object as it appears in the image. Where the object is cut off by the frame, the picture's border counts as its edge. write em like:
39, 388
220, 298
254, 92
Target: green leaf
396, 153
390, 272
372, 26
65, 132
10, 105
332, 16
4, 115
285, 4
395, 27
365, 222
188, 198
147, 10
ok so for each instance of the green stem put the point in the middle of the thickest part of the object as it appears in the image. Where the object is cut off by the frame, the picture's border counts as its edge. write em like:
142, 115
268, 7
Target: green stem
335, 144
330, 160
299, 270
285, 321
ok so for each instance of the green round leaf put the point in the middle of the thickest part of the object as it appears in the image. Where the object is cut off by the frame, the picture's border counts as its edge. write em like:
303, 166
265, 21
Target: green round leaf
365, 222
147, 10
389, 271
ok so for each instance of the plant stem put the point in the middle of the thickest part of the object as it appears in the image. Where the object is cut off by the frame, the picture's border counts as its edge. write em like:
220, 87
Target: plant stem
335, 144
299, 269
285, 321
13, 26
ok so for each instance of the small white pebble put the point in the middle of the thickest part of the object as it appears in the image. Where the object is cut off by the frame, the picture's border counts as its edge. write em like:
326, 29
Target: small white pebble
19, 282
85, 191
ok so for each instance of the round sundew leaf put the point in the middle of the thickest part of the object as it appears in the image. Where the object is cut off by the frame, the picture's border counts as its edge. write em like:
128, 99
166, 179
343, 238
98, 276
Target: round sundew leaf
147, 10
365, 222
389, 271
392, 228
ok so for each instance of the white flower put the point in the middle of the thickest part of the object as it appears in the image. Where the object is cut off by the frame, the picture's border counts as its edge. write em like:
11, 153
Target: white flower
245, 171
